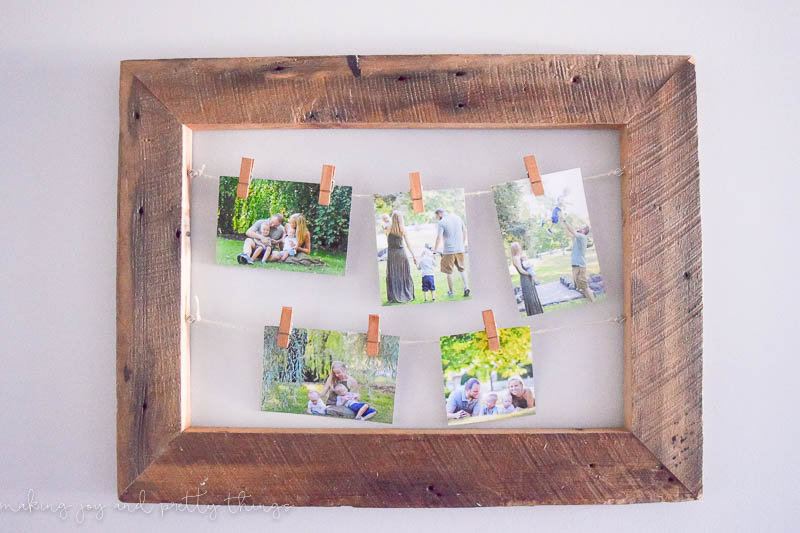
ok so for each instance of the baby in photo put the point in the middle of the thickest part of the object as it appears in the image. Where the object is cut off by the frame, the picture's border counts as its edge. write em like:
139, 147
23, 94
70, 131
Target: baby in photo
289, 243
315, 405
350, 399
524, 260
506, 406
490, 406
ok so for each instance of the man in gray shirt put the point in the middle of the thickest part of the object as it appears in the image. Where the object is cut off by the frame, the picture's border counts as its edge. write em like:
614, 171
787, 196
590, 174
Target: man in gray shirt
264, 235
579, 242
463, 402
452, 232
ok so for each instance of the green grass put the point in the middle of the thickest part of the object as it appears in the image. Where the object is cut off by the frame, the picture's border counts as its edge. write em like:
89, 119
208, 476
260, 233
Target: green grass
335, 262
381, 399
490, 418
416, 277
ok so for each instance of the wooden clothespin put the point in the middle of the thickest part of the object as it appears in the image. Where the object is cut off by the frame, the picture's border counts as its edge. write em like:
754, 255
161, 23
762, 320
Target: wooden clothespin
491, 330
326, 184
245, 173
533, 174
373, 335
285, 327
416, 191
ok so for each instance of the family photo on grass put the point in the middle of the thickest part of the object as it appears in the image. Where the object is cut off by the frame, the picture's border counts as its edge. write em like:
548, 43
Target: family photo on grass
552, 259
422, 257
480, 384
328, 373
280, 225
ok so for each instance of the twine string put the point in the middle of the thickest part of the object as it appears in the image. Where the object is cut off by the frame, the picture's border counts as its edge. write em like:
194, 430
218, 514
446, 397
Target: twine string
201, 173
195, 319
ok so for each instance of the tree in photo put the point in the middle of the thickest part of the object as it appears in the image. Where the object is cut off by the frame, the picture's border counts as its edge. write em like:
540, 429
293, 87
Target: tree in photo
469, 353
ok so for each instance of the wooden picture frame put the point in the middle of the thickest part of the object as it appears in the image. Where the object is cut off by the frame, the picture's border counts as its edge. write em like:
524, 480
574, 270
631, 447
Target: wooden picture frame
656, 456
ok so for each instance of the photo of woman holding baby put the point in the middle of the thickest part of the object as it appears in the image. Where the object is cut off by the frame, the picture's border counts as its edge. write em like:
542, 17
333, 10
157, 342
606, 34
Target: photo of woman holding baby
527, 279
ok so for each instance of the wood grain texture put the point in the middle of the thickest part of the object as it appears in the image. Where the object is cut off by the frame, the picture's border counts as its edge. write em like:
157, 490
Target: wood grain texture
152, 260
428, 91
396, 468
651, 99
663, 278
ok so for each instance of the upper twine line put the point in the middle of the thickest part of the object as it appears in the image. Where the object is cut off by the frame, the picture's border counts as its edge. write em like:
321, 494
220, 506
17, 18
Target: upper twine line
201, 172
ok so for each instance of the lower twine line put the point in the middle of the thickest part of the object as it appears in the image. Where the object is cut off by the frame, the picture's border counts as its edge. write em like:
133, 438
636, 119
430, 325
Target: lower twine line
611, 320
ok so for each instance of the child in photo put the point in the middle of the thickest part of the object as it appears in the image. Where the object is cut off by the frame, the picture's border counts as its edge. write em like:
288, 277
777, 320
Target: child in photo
289, 243
264, 246
427, 264
350, 399
315, 405
490, 407
506, 406
558, 210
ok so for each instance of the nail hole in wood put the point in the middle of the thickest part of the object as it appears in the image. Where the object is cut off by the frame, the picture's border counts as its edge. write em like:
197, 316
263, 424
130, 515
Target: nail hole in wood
141, 209
592, 465
278, 68
576, 79
401, 78
178, 234
460, 73
430, 488
686, 275
460, 105
144, 406
136, 115
671, 479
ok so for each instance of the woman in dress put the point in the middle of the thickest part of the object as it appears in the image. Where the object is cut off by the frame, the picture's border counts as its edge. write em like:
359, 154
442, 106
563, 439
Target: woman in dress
399, 286
338, 376
529, 296
521, 397
303, 250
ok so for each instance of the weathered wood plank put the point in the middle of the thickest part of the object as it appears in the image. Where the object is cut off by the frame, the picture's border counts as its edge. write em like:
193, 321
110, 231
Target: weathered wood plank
398, 468
433, 91
663, 278
152, 257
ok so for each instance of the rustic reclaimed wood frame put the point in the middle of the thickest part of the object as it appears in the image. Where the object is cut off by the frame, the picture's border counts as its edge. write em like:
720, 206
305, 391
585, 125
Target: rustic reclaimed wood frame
650, 100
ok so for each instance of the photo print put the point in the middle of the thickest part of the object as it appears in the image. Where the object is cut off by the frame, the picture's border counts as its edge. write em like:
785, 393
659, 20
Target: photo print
328, 373
480, 384
282, 226
549, 245
422, 257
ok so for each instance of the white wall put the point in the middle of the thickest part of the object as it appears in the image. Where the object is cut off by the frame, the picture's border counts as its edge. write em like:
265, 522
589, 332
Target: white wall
58, 96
